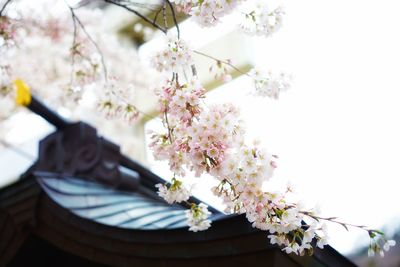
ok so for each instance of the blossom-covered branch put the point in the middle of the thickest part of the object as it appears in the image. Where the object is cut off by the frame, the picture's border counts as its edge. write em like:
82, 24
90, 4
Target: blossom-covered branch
77, 22
211, 140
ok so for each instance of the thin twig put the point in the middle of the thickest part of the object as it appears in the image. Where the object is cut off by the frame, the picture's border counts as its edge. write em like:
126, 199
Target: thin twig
164, 12
137, 14
74, 44
82, 4
221, 61
174, 17
194, 70
169, 128
17, 150
93, 42
333, 220
127, 103
4, 7
156, 15
151, 7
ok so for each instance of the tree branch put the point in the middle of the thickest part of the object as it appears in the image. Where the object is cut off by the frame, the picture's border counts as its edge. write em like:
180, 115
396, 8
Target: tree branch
174, 17
73, 46
164, 12
4, 7
221, 61
17, 150
113, 2
76, 20
156, 15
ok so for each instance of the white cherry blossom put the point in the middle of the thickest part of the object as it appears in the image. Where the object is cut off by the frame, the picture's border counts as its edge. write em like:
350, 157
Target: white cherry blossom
197, 217
174, 193
269, 84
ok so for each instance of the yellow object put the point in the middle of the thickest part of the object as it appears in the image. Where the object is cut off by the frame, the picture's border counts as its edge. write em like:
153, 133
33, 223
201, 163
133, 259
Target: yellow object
23, 93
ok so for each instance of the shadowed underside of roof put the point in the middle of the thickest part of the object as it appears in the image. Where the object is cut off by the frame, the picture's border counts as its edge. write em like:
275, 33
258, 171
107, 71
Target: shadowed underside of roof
39, 219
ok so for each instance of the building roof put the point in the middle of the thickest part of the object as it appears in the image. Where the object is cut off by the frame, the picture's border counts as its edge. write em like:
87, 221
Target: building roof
105, 205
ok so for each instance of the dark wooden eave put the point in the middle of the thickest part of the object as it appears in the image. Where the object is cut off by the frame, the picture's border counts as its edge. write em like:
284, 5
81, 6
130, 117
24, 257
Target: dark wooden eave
27, 213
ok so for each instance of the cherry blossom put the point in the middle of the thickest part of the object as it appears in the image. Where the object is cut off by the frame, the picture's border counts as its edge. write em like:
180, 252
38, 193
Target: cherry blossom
221, 71
197, 217
269, 84
209, 12
378, 243
259, 20
174, 57
388, 244
175, 193
71, 68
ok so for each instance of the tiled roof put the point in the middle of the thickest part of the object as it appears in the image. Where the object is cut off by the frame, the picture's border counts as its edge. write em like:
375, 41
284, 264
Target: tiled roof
105, 205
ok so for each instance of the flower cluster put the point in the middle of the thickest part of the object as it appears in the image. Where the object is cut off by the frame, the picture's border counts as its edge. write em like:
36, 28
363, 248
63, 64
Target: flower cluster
242, 176
87, 66
180, 100
7, 31
259, 20
286, 224
64, 66
268, 84
174, 57
197, 138
175, 193
179, 104
7, 104
197, 217
209, 12
221, 71
378, 243
114, 103
184, 6
211, 137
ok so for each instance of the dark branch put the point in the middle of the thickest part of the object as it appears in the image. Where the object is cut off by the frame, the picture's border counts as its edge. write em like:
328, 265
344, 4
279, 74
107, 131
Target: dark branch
82, 4
151, 7
226, 62
156, 15
74, 44
164, 12
79, 22
4, 7
174, 17
113, 2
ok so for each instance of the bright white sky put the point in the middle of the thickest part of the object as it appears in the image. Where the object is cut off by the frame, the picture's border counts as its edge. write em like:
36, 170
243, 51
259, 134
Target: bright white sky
337, 131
